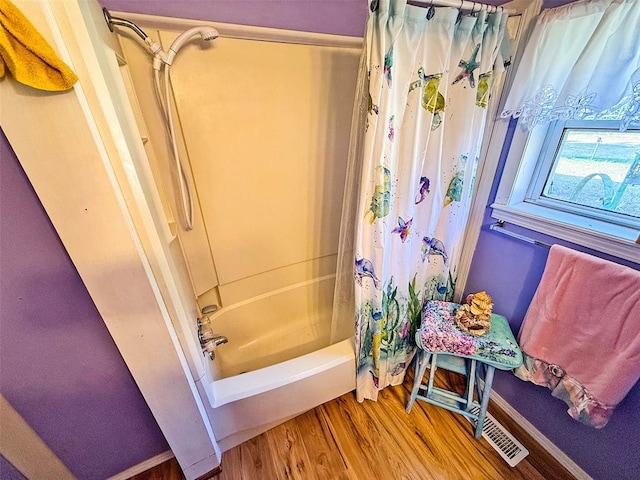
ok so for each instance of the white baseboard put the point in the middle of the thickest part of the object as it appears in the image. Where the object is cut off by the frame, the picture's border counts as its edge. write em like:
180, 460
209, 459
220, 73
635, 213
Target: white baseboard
544, 442
143, 466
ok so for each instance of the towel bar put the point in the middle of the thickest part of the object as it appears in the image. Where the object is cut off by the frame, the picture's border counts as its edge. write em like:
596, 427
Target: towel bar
499, 227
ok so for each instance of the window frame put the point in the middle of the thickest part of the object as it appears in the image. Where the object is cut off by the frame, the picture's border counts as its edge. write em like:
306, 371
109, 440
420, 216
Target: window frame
550, 149
532, 150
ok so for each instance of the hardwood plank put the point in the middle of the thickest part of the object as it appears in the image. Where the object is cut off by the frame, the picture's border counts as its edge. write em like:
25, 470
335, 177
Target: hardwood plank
481, 461
320, 445
486, 458
353, 441
169, 470
528, 471
211, 474
290, 458
346, 440
449, 439
257, 459
347, 475
539, 463
231, 465
416, 457
392, 458
439, 430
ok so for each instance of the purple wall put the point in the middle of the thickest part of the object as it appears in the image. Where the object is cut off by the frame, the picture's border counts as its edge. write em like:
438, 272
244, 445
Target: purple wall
60, 367
340, 17
510, 271
8, 471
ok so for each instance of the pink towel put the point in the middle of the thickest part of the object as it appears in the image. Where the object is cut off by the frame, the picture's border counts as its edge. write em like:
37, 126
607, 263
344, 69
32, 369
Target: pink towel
581, 333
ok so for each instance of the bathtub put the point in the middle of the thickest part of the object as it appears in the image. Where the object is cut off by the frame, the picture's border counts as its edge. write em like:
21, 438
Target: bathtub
279, 361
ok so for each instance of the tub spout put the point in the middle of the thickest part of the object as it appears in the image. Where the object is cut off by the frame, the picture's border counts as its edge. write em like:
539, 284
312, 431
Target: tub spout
220, 339
210, 341
206, 335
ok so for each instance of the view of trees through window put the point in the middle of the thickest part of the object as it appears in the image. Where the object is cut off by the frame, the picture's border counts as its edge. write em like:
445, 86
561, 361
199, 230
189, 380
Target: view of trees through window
599, 169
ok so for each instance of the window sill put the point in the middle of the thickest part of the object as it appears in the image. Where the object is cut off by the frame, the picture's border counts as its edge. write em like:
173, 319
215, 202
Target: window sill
594, 234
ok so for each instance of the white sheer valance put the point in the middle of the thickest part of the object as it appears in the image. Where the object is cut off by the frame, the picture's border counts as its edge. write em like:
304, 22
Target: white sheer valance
582, 61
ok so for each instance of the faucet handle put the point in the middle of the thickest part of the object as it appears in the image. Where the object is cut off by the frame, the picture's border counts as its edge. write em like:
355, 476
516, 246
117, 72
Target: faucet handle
205, 335
202, 321
206, 311
209, 348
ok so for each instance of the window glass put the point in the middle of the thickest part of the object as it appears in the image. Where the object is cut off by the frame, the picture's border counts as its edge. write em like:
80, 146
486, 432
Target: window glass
598, 169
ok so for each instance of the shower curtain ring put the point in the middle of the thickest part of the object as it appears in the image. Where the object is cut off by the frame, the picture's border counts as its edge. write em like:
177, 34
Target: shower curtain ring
430, 11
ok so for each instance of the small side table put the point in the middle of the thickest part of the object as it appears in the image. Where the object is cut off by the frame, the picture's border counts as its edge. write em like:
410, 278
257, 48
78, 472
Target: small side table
442, 344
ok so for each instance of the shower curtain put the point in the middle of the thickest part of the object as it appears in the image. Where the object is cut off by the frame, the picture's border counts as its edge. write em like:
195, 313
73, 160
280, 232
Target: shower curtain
429, 73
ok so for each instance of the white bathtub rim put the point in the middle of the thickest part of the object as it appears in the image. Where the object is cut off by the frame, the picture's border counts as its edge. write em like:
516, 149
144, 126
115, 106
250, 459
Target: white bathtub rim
248, 384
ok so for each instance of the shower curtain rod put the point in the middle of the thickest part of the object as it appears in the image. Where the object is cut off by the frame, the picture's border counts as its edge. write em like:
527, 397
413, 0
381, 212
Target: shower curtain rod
464, 5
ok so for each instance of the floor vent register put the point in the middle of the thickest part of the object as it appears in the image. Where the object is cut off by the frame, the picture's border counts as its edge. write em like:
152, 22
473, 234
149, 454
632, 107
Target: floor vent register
502, 441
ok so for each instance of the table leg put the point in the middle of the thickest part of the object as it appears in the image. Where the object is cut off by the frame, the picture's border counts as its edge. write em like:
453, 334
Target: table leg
486, 391
432, 373
471, 378
479, 370
422, 360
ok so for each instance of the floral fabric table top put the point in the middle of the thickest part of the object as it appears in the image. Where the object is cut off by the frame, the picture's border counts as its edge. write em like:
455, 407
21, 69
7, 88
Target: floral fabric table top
439, 333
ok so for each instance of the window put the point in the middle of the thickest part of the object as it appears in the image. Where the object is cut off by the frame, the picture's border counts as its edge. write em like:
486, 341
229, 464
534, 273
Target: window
574, 174
575, 180
592, 169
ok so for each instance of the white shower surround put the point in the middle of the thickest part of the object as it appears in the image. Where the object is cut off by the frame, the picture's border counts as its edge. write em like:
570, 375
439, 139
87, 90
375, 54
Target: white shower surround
283, 356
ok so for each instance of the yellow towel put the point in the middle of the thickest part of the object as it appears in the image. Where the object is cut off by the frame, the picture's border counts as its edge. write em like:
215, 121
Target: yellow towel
27, 55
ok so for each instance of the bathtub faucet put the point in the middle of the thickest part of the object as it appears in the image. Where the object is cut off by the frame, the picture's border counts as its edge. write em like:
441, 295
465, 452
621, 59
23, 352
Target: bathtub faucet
209, 341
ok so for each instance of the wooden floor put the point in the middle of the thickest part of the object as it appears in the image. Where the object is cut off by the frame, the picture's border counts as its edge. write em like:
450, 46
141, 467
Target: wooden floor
345, 440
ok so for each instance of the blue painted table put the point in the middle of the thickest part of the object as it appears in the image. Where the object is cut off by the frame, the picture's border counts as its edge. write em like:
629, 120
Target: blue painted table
441, 344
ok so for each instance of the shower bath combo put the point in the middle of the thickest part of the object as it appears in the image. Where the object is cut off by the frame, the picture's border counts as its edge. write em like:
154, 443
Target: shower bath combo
285, 354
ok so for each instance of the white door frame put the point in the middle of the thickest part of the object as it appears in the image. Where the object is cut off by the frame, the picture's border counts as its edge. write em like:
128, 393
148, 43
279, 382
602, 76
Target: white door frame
78, 150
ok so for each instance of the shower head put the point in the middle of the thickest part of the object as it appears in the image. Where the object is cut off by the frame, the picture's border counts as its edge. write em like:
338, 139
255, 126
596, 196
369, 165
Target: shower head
160, 57
206, 33
152, 45
111, 21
